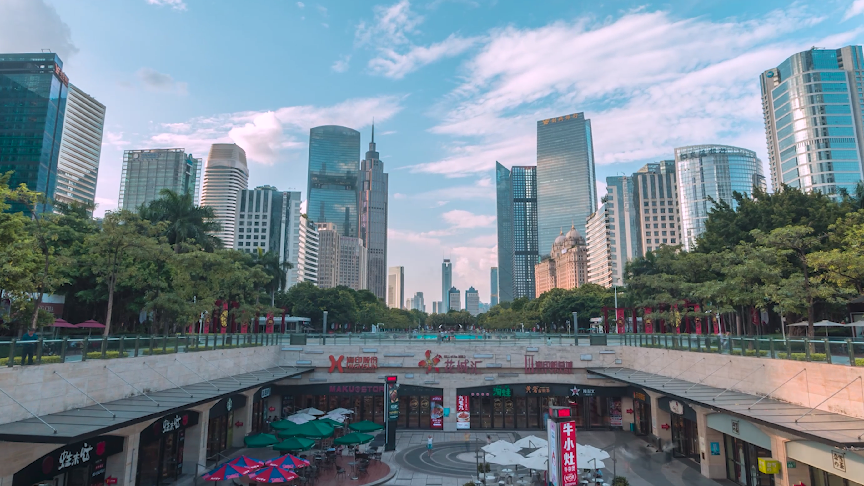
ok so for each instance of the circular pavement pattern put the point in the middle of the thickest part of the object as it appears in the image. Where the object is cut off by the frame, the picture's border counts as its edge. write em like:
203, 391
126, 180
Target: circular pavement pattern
452, 459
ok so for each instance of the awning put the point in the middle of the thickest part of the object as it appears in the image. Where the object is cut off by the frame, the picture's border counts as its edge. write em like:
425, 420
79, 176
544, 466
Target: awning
826, 427
81, 423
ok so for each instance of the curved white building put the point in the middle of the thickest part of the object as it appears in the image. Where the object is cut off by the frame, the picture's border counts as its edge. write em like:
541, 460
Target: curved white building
225, 176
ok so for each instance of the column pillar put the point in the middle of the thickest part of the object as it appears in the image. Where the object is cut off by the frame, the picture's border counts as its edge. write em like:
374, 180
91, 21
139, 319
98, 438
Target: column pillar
195, 445
449, 396
712, 466
660, 418
243, 415
787, 477
124, 466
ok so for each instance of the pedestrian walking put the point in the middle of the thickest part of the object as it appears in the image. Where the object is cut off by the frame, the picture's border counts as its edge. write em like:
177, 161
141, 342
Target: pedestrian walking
488, 439
429, 445
28, 341
467, 440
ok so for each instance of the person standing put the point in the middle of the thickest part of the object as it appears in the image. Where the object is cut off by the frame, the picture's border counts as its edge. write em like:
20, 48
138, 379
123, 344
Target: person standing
30, 339
429, 445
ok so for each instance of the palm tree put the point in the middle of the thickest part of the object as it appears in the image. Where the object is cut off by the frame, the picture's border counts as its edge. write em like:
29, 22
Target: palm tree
277, 270
186, 222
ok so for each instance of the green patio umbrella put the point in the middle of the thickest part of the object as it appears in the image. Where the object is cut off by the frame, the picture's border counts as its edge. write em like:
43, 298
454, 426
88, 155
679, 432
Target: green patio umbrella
260, 440
313, 430
331, 423
354, 438
294, 444
283, 425
365, 426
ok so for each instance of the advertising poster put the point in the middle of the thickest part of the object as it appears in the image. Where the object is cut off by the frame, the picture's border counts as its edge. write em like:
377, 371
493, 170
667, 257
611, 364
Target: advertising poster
436, 412
554, 454
269, 324
392, 402
569, 470
619, 321
615, 417
463, 412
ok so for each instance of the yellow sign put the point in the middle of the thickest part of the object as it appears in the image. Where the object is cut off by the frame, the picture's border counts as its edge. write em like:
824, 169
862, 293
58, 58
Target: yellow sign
769, 466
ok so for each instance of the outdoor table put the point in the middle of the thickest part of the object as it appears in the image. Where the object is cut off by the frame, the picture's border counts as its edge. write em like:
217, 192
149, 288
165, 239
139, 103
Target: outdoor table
353, 470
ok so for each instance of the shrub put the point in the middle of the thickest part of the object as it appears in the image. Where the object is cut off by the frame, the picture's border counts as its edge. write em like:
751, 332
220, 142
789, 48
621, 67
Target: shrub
620, 481
859, 361
752, 352
157, 351
108, 355
45, 360
803, 356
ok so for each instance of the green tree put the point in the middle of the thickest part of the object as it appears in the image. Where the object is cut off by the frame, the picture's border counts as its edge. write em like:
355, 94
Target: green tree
843, 265
186, 223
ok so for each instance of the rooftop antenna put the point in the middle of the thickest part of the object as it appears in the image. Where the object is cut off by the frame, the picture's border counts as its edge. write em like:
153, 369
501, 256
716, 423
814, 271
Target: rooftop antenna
373, 129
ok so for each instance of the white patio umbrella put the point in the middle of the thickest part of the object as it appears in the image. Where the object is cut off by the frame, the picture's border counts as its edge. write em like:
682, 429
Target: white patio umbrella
541, 452
598, 464
300, 418
340, 411
538, 463
500, 446
337, 418
506, 458
530, 442
311, 411
586, 453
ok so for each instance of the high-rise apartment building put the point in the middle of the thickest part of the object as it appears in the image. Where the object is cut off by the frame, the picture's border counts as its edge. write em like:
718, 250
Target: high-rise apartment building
813, 107
517, 230
454, 299
623, 230
147, 172
33, 91
225, 176
598, 242
395, 287
566, 190
80, 149
567, 267
709, 171
504, 213
373, 187
334, 155
446, 284
472, 301
352, 263
307, 254
417, 302
268, 220
493, 286
656, 204
328, 255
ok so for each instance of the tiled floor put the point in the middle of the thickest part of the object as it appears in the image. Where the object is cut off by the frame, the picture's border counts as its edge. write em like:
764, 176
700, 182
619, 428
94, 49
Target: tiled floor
376, 471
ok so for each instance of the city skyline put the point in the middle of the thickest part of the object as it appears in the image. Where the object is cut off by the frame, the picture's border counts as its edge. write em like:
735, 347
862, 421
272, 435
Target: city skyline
439, 161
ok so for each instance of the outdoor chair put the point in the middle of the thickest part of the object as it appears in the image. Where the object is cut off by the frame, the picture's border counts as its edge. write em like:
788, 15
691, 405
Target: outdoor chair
341, 472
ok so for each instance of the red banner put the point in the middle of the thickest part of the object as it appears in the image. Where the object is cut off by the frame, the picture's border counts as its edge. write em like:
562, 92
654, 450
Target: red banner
754, 317
569, 469
619, 321
463, 412
716, 324
436, 414
698, 320
244, 328
269, 326
649, 326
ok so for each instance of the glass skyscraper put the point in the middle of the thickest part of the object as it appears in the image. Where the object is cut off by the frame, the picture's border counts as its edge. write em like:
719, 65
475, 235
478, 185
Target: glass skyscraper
373, 218
812, 105
493, 287
711, 171
504, 200
566, 192
33, 90
80, 148
334, 157
147, 172
517, 231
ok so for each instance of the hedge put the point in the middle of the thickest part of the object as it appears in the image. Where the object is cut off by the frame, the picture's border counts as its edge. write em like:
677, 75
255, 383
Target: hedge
45, 360
108, 355
157, 351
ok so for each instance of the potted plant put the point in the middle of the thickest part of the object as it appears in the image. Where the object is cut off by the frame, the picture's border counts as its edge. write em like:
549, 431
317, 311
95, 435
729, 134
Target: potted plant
620, 481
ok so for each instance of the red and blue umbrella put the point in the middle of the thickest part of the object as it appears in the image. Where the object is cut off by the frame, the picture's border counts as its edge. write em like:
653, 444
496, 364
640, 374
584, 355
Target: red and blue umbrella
288, 462
224, 472
246, 463
272, 474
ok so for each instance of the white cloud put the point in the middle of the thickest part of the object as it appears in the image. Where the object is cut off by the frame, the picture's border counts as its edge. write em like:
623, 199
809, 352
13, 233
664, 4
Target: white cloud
175, 4
481, 189
857, 8
155, 81
461, 219
393, 64
391, 26
341, 65
471, 266
33, 25
114, 139
399, 195
301, 4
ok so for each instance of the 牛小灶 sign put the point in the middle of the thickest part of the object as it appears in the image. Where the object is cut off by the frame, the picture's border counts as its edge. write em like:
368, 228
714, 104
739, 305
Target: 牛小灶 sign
569, 470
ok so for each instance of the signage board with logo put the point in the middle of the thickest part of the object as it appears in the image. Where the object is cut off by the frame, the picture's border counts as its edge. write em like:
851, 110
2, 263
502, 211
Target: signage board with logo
569, 467
533, 367
169, 423
616, 418
436, 412
352, 364
91, 453
436, 363
463, 412
264, 392
768, 465
641, 396
502, 391
554, 462
227, 405
676, 407
715, 448
392, 401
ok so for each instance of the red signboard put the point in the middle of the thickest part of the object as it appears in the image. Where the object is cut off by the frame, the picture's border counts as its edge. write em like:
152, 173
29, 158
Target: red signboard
110, 480
649, 326
436, 414
452, 364
547, 367
619, 320
698, 320
353, 364
567, 440
463, 412
269, 324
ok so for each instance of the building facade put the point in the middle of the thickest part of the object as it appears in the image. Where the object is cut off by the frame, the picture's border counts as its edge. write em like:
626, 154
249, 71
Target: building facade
268, 220
446, 284
417, 302
147, 172
373, 187
454, 299
523, 180
334, 156
504, 222
598, 242
395, 287
567, 267
307, 253
623, 231
225, 176
33, 93
656, 203
80, 149
566, 189
353, 261
472, 301
493, 286
706, 172
328, 255
812, 105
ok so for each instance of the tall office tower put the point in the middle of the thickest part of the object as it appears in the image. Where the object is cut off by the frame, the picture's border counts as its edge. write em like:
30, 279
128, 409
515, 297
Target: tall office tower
225, 176
80, 149
493, 293
599, 248
334, 153
419, 303
446, 284
33, 91
566, 192
814, 119
147, 172
622, 212
504, 212
328, 255
656, 202
395, 287
710, 171
472, 301
353, 259
269, 220
307, 253
373, 218
453, 299
517, 230
435, 307
567, 267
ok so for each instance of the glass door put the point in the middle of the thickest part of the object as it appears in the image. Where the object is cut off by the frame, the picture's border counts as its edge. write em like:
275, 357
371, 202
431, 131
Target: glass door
521, 413
485, 413
533, 413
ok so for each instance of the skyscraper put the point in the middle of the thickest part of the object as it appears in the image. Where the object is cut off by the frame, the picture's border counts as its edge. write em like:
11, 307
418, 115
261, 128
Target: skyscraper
813, 119
396, 287
566, 267
352, 263
566, 192
334, 155
328, 255
504, 205
307, 254
225, 176
472, 301
704, 171
373, 218
517, 230
418, 302
622, 213
656, 190
33, 90
147, 172
268, 220
598, 248
80, 148
446, 284
493, 286
453, 298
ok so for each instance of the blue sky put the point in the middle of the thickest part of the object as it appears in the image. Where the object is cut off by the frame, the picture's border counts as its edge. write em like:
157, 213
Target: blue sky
453, 87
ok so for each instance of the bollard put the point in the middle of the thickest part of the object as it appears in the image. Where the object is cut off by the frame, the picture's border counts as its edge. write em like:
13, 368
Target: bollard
807, 348
12, 354
137, 345
827, 351
38, 352
771, 347
63, 346
120, 347
851, 350
104, 346
84, 346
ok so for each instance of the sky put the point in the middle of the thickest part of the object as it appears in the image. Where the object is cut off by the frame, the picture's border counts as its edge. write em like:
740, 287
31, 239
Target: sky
453, 86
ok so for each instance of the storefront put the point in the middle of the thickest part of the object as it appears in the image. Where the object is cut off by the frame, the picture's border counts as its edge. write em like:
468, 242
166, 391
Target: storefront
79, 464
685, 433
261, 410
160, 449
220, 430
829, 466
745, 444
520, 406
641, 412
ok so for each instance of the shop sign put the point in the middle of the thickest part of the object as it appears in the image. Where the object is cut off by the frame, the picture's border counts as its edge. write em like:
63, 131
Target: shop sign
554, 461
227, 405
353, 364
547, 367
168, 424
91, 451
392, 401
534, 390
97, 477
838, 459
577, 391
736, 427
357, 389
110, 480
436, 413
640, 396
715, 448
463, 412
676, 407
768, 465
502, 391
791, 464
452, 364
569, 471
265, 392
